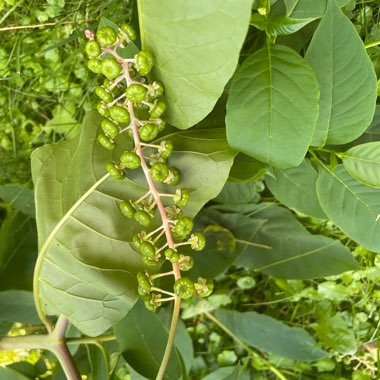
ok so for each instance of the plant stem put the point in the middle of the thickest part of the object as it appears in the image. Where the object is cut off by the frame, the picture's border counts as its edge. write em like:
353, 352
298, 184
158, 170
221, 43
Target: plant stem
170, 342
253, 244
91, 340
372, 44
66, 360
275, 370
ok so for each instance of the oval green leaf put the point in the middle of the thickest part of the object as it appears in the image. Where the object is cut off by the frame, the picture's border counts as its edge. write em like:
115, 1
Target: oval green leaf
270, 335
363, 163
273, 106
295, 188
196, 46
351, 205
346, 77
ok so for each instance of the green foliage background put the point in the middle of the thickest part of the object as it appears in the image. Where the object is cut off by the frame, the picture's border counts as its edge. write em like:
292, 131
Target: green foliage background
317, 282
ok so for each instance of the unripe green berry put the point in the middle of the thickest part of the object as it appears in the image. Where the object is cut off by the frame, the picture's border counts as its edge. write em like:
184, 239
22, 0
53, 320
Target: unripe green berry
102, 109
144, 283
93, 49
127, 209
148, 249
95, 65
110, 128
104, 94
143, 218
148, 132
114, 171
130, 160
144, 62
161, 125
120, 114
173, 177
110, 68
184, 287
136, 240
158, 110
157, 89
136, 93
198, 241
203, 287
171, 255
129, 31
183, 227
185, 263
106, 36
159, 172
182, 197
166, 148
106, 142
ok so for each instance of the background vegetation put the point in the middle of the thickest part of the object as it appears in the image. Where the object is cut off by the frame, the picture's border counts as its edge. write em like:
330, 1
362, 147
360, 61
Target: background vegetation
45, 90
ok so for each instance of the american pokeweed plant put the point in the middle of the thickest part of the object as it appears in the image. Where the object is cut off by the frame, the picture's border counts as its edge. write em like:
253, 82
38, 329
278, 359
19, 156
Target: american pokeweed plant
228, 138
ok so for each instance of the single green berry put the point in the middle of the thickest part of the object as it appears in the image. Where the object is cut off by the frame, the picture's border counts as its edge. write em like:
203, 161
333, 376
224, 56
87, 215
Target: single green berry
136, 240
110, 68
143, 218
93, 49
198, 241
203, 287
103, 94
155, 91
161, 125
136, 93
183, 227
165, 149
185, 263
102, 109
107, 83
129, 31
171, 255
130, 160
114, 171
158, 110
127, 209
144, 283
182, 197
106, 36
148, 132
148, 249
159, 171
144, 62
173, 177
184, 287
106, 142
109, 128
95, 65
120, 115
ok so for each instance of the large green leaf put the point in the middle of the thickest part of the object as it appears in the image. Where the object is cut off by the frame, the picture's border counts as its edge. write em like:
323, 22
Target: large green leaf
273, 106
298, 9
18, 251
294, 252
86, 266
18, 305
363, 163
141, 335
270, 335
196, 46
346, 77
246, 168
295, 188
351, 205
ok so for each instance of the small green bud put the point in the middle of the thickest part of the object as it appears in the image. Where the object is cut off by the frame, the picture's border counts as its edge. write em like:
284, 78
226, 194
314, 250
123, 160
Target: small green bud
185, 263
198, 241
173, 177
129, 31
110, 128
165, 149
93, 49
143, 218
203, 287
102, 109
182, 197
171, 255
158, 110
114, 171
104, 94
127, 209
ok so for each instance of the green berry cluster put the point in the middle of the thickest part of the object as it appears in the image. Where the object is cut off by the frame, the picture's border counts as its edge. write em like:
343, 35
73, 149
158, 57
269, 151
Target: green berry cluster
130, 102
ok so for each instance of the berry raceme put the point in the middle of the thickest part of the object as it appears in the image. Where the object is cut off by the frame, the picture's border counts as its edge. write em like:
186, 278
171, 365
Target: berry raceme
130, 102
